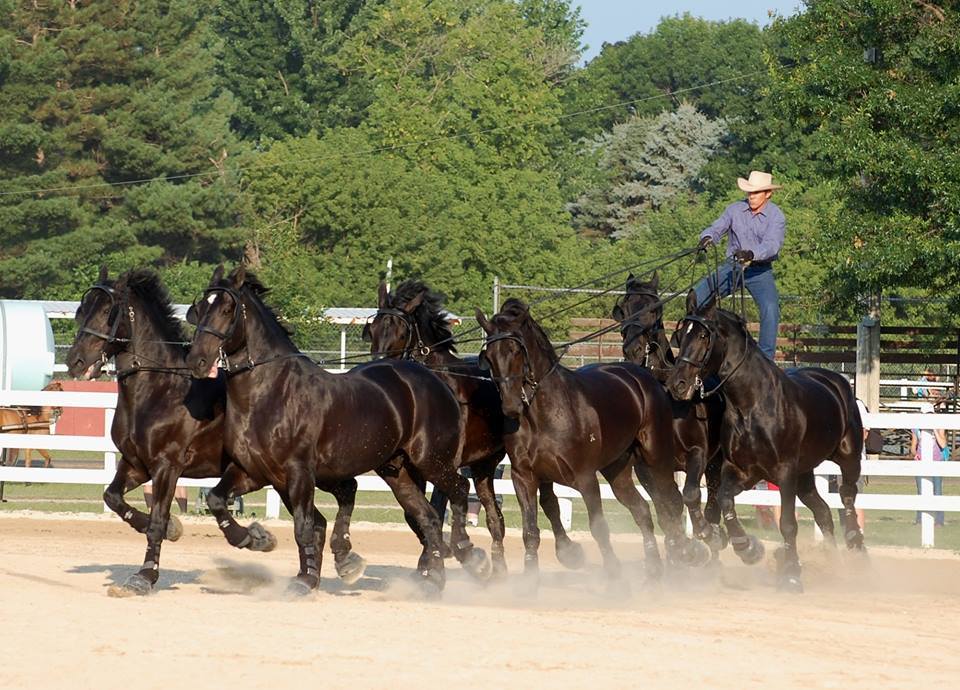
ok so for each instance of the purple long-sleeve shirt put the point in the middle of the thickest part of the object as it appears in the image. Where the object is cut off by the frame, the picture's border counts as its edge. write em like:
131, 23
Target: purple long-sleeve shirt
761, 233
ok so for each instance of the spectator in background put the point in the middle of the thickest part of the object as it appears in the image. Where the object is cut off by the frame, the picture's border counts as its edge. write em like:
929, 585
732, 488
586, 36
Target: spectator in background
928, 392
941, 451
180, 495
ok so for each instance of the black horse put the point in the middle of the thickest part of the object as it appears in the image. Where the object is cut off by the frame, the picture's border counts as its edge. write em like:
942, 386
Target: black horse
696, 423
411, 323
575, 423
291, 424
168, 425
777, 426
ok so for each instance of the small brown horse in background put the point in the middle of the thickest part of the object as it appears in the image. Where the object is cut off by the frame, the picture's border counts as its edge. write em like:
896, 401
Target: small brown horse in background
30, 420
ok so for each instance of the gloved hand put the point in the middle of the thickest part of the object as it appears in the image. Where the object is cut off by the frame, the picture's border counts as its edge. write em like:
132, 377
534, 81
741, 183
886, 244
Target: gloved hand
705, 242
744, 256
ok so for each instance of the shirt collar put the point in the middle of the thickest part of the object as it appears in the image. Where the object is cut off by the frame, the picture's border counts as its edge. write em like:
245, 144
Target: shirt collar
763, 211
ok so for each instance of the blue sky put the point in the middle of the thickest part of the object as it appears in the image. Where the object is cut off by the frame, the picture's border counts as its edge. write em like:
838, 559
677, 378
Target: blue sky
614, 20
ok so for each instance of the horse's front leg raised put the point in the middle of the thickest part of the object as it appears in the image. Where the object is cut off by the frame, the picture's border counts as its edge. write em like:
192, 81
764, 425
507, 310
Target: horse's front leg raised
746, 546
125, 480
695, 465
569, 552
236, 482
142, 582
349, 564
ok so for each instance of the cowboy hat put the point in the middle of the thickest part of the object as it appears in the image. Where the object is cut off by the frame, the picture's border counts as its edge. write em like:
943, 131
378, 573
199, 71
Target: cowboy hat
758, 182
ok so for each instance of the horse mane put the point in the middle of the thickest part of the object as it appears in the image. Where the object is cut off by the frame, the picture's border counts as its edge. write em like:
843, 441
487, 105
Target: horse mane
516, 315
430, 314
255, 286
635, 285
146, 285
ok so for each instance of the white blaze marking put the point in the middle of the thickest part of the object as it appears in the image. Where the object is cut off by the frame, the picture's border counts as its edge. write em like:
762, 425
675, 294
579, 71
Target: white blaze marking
689, 327
210, 298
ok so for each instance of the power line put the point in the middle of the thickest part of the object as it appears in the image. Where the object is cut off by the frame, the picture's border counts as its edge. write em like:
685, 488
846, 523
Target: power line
369, 152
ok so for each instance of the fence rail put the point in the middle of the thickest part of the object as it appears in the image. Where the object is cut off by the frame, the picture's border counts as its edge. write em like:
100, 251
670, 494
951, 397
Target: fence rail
925, 469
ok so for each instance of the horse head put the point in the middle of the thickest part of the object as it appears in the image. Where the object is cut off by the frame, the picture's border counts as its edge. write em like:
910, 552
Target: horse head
517, 354
101, 332
702, 344
219, 319
640, 314
393, 331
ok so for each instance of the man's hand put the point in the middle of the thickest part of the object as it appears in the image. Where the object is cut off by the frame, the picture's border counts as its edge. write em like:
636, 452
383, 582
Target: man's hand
704, 243
744, 256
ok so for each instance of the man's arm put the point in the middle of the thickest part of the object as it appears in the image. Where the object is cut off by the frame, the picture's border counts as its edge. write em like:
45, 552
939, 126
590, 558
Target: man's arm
772, 240
720, 227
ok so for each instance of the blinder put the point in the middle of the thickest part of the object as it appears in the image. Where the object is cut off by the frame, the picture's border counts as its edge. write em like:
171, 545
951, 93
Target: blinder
113, 317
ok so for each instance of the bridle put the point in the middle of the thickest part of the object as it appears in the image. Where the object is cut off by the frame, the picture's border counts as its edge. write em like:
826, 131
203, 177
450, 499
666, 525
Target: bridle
712, 331
528, 379
126, 344
239, 317
413, 330
644, 331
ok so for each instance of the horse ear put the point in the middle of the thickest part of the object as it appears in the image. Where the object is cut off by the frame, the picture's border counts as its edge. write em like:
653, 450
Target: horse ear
655, 281
484, 322
411, 306
691, 301
191, 317
103, 274
382, 295
239, 275
709, 308
617, 312
217, 275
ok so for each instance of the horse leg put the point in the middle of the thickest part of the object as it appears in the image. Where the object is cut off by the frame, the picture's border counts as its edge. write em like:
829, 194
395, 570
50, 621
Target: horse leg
746, 546
849, 476
411, 498
349, 564
626, 493
308, 531
473, 559
807, 493
47, 459
525, 487
125, 480
236, 482
669, 504
711, 511
695, 465
788, 561
483, 476
569, 552
142, 582
589, 488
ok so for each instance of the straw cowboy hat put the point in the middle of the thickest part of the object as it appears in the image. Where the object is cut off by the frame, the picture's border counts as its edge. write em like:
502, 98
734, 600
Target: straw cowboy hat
758, 182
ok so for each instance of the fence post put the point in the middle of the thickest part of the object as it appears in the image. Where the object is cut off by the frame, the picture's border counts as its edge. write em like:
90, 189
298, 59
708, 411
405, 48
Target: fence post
496, 294
868, 355
273, 503
109, 457
823, 488
926, 489
343, 348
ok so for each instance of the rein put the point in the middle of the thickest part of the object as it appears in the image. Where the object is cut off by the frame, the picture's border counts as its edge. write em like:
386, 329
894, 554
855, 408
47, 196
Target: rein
527, 377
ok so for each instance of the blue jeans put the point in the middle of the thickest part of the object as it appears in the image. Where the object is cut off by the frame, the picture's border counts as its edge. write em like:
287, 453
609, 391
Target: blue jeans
937, 491
760, 284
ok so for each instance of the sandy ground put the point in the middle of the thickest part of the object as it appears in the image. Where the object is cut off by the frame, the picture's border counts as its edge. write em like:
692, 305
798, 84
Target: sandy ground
219, 617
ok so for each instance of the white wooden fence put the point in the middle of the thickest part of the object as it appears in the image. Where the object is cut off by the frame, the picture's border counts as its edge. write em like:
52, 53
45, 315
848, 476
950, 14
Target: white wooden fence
926, 469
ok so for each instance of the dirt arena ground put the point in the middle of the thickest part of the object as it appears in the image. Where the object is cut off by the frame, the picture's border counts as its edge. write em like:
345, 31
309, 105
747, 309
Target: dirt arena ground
219, 617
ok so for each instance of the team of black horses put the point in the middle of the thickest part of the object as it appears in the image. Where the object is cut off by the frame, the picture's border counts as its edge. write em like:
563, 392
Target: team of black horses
241, 403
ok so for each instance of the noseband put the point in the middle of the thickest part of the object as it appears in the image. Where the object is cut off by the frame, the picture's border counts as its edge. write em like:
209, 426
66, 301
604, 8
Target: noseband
712, 331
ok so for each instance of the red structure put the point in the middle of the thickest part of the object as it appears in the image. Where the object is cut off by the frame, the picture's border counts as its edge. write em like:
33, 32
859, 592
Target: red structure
84, 421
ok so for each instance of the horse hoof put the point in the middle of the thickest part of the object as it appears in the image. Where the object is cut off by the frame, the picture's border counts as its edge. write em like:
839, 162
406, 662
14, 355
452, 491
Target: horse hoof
652, 569
351, 568
477, 564
445, 551
753, 552
790, 583
135, 586
260, 538
431, 581
697, 554
174, 528
499, 568
300, 587
715, 539
570, 555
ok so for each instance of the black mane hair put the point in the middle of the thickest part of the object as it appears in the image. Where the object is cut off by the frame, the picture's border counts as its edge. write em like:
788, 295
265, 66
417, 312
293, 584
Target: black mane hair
515, 315
430, 315
146, 285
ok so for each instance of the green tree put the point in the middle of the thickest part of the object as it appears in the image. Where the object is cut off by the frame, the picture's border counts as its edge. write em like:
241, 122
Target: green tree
875, 85
94, 98
645, 162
